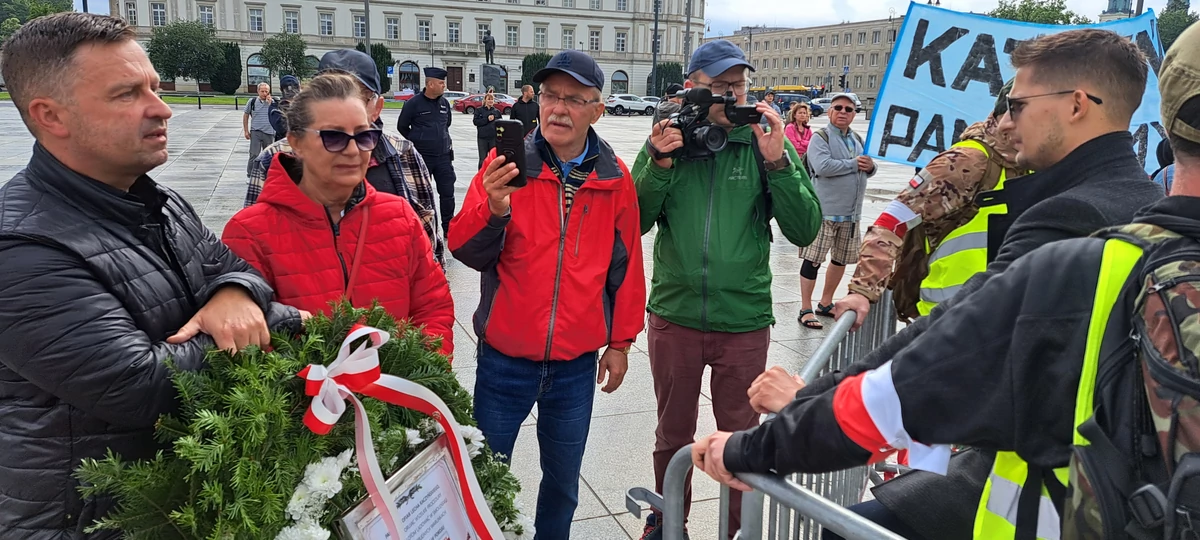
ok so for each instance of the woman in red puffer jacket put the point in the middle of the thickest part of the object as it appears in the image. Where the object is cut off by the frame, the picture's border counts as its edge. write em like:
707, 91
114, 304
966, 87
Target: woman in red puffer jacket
319, 232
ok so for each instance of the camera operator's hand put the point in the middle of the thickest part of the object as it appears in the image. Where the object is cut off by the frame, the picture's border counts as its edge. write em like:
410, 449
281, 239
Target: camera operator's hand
496, 177
666, 140
771, 144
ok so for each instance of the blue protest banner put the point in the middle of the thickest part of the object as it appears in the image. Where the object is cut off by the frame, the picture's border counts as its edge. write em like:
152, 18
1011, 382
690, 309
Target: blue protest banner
947, 68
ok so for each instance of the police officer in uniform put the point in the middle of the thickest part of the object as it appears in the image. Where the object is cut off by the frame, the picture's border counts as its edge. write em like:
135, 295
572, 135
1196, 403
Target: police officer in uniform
425, 120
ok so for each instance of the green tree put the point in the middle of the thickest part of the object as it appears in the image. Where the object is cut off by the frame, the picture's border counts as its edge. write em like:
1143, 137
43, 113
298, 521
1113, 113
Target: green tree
1173, 20
361, 47
228, 79
532, 63
383, 58
185, 49
8, 27
24, 10
667, 73
1037, 11
283, 54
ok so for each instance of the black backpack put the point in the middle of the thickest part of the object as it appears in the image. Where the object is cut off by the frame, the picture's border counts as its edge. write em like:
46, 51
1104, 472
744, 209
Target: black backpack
1139, 476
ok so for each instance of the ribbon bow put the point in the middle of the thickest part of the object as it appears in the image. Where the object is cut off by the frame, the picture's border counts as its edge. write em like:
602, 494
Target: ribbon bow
358, 371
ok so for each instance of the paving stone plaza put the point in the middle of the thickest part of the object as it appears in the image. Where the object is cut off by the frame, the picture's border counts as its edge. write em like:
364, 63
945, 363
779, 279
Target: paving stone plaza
208, 167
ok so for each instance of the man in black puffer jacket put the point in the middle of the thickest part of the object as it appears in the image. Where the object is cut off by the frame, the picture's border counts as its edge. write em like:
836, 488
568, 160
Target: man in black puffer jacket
104, 275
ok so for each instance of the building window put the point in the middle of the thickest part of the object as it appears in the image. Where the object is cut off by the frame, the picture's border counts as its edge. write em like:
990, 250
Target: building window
513, 37
158, 14
848, 39
393, 28
423, 29
859, 59
326, 20
410, 76
808, 62
257, 71
833, 40
777, 44
620, 82
622, 5
131, 13
795, 80
891, 36
207, 15
874, 59
568, 38
658, 42
875, 37
846, 60
453, 32
593, 40
809, 42
360, 26
774, 63
787, 43
539, 37
254, 21
870, 81
620, 42
862, 38
540, 2
481, 30
595, 4
568, 3
858, 81
785, 63
291, 22
807, 81
514, 1
820, 41
821, 61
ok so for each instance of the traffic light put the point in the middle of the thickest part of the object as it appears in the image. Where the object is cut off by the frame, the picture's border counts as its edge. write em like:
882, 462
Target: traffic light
842, 81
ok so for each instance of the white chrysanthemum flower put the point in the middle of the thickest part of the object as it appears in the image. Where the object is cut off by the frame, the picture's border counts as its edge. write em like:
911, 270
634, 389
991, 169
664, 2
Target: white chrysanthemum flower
474, 439
300, 502
324, 478
413, 437
306, 529
344, 458
525, 524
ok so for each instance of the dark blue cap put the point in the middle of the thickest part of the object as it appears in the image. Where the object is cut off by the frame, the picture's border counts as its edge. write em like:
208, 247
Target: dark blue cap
354, 62
436, 73
576, 64
716, 57
289, 80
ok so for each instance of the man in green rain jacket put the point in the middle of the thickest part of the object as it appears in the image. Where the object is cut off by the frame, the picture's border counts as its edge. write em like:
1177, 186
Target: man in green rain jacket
710, 298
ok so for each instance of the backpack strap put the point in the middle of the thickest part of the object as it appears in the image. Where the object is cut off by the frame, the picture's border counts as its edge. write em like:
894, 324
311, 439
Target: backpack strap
766, 188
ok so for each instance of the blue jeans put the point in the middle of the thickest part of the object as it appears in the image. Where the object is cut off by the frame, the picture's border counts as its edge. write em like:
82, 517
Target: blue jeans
506, 389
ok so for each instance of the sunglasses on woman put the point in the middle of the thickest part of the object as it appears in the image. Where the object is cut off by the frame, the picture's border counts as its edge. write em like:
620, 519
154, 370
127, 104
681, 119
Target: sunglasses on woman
336, 141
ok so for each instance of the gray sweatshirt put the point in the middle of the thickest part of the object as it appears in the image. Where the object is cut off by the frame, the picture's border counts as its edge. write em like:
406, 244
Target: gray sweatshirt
840, 185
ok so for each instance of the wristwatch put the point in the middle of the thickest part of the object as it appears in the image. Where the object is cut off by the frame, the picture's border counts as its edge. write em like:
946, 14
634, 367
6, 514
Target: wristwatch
624, 350
782, 163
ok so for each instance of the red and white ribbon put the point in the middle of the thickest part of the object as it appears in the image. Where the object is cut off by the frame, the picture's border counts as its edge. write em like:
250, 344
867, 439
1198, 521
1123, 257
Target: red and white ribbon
358, 372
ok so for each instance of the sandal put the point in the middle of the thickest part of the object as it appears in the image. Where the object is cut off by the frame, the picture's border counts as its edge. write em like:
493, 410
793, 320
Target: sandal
812, 324
824, 311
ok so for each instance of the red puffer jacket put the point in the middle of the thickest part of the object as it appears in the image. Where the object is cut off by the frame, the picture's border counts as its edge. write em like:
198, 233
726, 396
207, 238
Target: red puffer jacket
308, 259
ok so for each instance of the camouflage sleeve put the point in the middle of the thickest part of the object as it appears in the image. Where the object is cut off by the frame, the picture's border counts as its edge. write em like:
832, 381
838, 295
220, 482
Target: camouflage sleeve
949, 182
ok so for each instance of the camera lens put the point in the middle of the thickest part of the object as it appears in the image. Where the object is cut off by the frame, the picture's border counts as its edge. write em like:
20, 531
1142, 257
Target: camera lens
712, 138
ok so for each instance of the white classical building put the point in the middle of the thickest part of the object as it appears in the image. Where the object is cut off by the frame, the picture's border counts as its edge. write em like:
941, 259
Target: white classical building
444, 33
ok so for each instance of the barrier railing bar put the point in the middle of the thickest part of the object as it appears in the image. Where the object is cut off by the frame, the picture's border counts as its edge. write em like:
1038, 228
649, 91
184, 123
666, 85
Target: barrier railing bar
828, 347
831, 516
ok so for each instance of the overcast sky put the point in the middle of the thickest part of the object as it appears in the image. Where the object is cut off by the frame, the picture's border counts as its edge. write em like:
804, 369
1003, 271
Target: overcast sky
94, 6
724, 16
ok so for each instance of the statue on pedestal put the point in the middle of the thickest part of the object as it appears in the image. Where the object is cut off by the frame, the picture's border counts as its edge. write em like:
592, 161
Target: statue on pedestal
489, 46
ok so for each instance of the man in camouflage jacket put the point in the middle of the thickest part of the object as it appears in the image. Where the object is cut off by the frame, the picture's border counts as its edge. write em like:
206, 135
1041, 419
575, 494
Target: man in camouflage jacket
939, 199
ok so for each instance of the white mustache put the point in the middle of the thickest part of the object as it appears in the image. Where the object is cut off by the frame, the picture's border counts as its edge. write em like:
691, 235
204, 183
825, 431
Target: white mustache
559, 119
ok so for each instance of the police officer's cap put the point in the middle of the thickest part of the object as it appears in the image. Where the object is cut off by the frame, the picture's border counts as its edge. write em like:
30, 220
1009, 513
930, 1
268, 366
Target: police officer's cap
576, 64
435, 73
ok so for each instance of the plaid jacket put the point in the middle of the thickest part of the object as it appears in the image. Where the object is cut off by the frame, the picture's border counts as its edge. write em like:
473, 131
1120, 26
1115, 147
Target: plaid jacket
409, 175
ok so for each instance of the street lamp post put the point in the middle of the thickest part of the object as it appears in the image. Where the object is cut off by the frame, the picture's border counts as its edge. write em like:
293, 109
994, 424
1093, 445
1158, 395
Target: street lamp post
431, 36
366, 24
654, 54
687, 36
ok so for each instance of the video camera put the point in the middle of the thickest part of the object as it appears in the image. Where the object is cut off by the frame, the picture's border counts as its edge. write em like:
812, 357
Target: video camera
702, 139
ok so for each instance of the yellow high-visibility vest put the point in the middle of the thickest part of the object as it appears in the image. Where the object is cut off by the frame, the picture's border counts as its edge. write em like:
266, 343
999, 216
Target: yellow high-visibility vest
962, 253
996, 517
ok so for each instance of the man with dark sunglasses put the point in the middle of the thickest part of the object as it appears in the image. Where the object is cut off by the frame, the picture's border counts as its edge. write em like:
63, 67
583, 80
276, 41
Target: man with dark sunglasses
396, 166
1087, 178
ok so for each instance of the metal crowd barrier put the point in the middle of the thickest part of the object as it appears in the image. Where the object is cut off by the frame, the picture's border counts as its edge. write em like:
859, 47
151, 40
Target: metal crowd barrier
797, 506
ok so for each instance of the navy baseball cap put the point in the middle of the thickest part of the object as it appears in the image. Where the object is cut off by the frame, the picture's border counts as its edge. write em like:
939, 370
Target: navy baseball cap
576, 64
289, 80
716, 57
354, 62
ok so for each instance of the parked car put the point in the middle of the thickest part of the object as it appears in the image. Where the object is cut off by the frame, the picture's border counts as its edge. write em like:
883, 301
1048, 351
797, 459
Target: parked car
824, 102
785, 102
651, 99
468, 104
628, 103
403, 95
453, 96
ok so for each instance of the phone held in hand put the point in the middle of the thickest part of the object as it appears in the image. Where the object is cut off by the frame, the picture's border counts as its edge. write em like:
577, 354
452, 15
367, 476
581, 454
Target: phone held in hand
510, 143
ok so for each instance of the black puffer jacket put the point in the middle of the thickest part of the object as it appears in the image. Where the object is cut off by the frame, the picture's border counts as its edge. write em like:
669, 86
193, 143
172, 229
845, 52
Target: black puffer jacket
92, 282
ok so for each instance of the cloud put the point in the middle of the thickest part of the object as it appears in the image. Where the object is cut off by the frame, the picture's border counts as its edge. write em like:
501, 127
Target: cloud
94, 6
725, 16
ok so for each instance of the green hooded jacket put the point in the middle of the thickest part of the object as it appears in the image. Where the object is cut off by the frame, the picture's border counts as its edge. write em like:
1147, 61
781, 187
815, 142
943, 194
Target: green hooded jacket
712, 253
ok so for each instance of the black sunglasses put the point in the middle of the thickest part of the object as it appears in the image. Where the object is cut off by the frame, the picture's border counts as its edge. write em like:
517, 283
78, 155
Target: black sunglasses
336, 141
1016, 104
841, 108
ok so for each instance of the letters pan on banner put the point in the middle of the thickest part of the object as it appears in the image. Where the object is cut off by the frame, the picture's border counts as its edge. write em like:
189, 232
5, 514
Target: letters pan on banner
428, 500
948, 67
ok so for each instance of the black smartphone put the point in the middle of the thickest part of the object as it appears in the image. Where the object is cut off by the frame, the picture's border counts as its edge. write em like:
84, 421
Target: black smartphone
742, 115
510, 143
